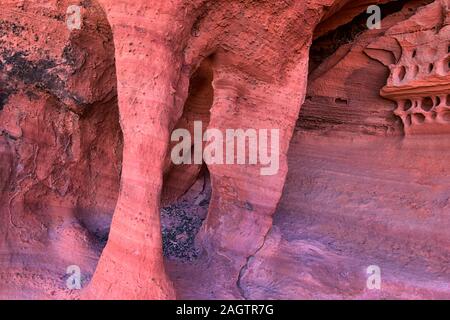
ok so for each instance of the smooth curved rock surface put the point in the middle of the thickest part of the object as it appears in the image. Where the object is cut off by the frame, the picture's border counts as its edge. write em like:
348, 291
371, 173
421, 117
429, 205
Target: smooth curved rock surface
86, 178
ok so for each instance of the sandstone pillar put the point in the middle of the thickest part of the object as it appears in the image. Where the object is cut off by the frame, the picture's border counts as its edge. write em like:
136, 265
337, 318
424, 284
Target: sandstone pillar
150, 80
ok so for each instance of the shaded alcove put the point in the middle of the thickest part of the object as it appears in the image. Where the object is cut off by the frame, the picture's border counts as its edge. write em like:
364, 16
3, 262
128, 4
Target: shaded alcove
187, 187
66, 144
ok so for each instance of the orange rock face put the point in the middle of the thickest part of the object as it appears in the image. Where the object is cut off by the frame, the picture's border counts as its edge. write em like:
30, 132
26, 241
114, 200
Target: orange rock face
91, 95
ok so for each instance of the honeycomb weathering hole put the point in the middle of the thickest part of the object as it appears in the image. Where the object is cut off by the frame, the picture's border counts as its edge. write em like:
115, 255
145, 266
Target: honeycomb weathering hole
187, 188
402, 73
63, 186
427, 104
181, 221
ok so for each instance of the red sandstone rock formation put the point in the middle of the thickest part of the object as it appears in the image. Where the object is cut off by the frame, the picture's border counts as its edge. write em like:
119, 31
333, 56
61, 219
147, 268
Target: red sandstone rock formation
85, 154
61, 145
259, 67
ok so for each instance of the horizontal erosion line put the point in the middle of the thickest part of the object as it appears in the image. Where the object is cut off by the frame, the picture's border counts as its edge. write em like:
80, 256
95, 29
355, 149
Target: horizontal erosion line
411, 90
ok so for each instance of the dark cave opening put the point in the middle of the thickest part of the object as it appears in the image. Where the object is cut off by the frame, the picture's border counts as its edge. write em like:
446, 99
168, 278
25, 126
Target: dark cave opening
330, 49
326, 45
187, 187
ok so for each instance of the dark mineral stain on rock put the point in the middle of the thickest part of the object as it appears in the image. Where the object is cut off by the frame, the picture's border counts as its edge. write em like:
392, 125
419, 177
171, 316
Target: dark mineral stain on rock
3, 100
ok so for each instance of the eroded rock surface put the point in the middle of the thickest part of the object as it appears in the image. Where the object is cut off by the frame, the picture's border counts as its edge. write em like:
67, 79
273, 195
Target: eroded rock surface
418, 55
86, 118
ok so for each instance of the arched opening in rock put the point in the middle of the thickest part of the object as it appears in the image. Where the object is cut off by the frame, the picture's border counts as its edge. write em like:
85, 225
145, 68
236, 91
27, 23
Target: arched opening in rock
407, 105
187, 188
427, 104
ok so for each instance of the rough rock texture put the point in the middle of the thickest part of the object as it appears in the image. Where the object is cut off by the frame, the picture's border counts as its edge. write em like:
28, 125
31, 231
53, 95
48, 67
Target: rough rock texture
259, 61
420, 69
86, 177
61, 145
358, 192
